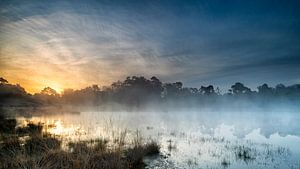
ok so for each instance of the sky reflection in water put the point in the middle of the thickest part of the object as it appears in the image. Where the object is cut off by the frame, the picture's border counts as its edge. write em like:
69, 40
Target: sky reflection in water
194, 139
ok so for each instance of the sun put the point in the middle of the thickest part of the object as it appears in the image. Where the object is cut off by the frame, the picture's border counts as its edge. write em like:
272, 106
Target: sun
57, 87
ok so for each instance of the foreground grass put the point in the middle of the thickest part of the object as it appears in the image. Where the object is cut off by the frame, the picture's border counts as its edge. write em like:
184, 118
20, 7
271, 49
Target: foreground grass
31, 149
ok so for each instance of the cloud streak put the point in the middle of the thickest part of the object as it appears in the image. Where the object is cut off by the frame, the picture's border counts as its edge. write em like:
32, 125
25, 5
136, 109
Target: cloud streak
75, 44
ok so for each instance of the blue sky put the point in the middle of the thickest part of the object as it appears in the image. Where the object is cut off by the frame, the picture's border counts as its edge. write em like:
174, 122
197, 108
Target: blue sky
71, 44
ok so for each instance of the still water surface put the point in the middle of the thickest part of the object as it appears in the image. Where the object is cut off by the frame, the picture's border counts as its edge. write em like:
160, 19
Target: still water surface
193, 139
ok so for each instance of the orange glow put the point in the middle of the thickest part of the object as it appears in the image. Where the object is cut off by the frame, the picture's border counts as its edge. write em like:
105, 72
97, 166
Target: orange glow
34, 82
57, 87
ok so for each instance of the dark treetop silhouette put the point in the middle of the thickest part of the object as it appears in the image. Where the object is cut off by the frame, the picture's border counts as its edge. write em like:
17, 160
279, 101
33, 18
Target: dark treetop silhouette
139, 92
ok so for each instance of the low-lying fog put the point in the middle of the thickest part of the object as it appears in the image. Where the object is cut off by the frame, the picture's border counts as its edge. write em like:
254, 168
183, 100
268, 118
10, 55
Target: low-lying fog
193, 138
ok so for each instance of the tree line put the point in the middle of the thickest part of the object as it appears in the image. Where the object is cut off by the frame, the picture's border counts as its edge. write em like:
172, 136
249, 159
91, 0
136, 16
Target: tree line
137, 91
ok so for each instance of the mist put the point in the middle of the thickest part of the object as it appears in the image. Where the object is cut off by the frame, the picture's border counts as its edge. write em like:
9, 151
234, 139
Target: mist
263, 122
270, 109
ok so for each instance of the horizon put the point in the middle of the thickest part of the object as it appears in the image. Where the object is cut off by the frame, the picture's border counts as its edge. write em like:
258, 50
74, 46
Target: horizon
221, 90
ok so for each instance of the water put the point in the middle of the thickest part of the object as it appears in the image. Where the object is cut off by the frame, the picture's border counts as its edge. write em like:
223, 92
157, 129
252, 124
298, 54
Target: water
193, 139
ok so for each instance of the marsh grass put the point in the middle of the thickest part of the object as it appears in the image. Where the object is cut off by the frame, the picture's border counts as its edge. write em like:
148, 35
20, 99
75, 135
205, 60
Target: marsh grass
225, 163
7, 125
44, 151
30, 147
31, 129
245, 153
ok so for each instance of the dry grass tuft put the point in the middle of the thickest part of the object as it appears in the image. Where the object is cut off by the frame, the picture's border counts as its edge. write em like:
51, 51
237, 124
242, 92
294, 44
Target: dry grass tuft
37, 145
38, 151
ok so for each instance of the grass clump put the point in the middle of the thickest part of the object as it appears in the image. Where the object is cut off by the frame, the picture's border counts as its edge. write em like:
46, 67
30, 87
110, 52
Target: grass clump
225, 163
58, 159
135, 155
151, 148
110, 160
7, 125
31, 129
10, 146
30, 148
244, 153
37, 145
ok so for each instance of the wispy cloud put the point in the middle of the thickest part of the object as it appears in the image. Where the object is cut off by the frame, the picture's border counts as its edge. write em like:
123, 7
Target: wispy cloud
74, 44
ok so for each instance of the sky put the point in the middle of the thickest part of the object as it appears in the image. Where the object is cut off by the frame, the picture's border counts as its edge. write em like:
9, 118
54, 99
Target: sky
74, 44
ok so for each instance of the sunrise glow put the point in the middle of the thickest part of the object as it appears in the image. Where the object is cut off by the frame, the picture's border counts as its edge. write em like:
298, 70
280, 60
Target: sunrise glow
150, 84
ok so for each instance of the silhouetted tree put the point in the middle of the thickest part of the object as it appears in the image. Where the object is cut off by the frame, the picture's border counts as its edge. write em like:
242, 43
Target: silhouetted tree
47, 96
172, 90
136, 91
209, 90
3, 81
282, 90
49, 91
11, 94
91, 95
239, 88
265, 90
156, 86
10, 89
